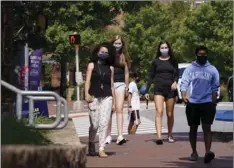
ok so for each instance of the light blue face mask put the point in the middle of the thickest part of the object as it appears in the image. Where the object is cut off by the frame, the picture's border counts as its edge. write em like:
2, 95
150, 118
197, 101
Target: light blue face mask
117, 46
164, 51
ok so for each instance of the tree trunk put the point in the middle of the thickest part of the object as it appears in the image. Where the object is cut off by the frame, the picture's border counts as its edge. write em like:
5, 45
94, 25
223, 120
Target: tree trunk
7, 67
63, 81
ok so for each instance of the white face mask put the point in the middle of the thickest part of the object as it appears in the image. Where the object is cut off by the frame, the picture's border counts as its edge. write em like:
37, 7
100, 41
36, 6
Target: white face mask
118, 46
164, 51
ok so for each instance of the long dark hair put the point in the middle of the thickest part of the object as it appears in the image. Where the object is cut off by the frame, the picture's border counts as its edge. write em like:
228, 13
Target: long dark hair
123, 50
170, 53
111, 51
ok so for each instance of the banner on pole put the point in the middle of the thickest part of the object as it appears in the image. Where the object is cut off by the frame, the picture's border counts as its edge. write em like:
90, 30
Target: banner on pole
34, 78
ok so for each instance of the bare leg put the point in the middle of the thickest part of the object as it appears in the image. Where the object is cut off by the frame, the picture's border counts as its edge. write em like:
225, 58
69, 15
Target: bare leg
207, 137
193, 137
158, 100
119, 102
170, 115
131, 123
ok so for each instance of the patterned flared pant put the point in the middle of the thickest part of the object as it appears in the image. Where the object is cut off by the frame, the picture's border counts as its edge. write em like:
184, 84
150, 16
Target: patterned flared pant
99, 116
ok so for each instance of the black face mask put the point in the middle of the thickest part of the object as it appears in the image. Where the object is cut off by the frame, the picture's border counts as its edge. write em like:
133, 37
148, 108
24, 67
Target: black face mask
202, 59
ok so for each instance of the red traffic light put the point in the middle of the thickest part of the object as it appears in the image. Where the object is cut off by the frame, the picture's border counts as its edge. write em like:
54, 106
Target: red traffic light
74, 39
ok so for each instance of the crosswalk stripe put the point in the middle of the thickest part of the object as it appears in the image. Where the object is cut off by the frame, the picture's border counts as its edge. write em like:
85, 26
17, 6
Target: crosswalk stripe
146, 127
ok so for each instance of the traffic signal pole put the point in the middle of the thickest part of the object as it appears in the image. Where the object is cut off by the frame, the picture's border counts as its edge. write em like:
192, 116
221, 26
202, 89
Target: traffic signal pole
74, 40
77, 71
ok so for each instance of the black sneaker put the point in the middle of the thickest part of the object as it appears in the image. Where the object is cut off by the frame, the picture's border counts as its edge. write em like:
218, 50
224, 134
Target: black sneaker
121, 140
159, 142
209, 157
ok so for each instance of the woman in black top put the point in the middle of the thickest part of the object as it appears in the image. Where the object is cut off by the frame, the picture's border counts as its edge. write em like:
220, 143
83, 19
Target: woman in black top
164, 71
99, 93
121, 80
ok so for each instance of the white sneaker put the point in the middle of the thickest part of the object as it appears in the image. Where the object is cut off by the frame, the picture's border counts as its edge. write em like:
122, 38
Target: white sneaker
121, 140
108, 140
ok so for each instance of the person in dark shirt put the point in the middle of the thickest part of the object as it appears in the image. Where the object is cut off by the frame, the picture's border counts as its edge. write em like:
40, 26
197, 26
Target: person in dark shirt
99, 93
121, 80
164, 72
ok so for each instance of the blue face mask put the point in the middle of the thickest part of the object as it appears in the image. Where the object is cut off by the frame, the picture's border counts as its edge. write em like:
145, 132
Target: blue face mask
103, 56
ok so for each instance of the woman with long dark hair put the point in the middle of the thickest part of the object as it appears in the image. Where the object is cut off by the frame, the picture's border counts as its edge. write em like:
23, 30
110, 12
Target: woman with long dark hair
164, 72
121, 81
99, 93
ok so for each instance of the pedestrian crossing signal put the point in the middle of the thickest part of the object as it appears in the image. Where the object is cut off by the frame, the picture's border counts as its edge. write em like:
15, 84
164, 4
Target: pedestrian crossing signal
74, 39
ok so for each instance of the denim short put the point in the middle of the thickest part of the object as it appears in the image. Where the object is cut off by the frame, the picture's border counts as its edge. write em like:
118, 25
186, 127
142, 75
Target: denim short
119, 86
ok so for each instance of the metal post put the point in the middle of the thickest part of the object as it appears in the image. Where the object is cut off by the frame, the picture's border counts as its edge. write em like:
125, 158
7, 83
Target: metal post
26, 57
19, 106
31, 112
26, 54
77, 71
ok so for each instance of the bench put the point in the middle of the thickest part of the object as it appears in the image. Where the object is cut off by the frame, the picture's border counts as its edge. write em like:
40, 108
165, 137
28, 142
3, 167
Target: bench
224, 115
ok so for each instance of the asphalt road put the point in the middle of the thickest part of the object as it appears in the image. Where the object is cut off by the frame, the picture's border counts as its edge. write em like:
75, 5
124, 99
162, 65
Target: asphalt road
180, 123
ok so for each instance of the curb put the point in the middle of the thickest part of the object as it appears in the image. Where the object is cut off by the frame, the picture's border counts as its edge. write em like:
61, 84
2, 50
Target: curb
74, 115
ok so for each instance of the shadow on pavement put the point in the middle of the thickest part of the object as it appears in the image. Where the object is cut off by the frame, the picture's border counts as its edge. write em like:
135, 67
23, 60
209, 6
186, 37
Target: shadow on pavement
220, 162
217, 136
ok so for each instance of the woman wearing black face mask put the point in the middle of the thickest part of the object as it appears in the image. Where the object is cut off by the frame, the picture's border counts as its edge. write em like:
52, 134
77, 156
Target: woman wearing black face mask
164, 71
99, 93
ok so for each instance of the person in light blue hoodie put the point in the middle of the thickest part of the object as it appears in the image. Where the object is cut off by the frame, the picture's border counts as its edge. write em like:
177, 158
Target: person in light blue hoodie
202, 79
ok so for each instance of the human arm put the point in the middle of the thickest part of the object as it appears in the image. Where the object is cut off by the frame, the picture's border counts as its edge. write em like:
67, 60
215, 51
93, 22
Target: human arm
130, 95
90, 67
112, 88
185, 82
151, 76
176, 72
126, 75
130, 98
215, 83
176, 76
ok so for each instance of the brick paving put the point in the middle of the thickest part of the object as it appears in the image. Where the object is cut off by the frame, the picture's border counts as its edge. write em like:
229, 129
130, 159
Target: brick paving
141, 151
52, 107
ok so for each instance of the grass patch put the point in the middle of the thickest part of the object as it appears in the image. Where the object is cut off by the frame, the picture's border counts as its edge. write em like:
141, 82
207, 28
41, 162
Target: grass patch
17, 132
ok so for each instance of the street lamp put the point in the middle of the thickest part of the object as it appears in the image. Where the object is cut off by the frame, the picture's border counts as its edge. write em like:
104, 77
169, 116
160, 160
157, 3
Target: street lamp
74, 39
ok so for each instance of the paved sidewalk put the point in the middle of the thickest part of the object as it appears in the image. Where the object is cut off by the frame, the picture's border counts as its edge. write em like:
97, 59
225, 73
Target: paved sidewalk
141, 151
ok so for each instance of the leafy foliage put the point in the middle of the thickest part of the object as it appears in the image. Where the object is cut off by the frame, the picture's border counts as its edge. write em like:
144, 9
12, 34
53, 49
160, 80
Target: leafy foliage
145, 24
209, 25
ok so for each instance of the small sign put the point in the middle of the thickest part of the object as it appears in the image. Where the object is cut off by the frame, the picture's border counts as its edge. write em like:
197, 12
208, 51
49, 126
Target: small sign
74, 39
79, 78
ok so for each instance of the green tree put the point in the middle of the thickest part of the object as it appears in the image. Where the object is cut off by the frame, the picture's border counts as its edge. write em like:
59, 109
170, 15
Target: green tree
211, 25
149, 25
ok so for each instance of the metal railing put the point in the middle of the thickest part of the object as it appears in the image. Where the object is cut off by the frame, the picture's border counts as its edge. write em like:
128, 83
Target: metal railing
40, 95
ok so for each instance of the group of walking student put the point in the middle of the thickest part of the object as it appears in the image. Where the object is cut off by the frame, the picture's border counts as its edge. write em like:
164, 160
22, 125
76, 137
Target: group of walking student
108, 85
